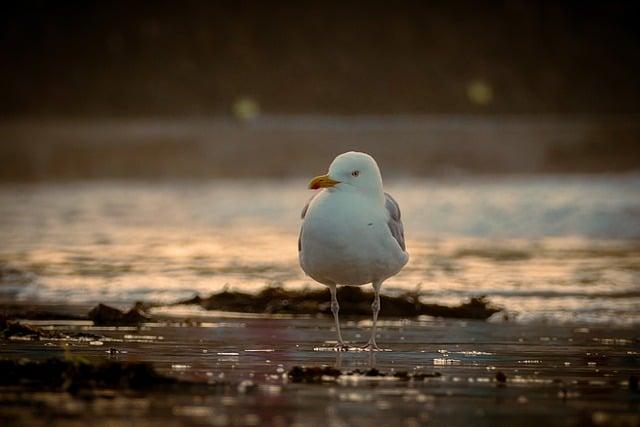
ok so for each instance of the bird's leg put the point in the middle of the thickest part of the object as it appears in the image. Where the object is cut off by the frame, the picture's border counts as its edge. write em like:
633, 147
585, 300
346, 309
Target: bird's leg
375, 307
335, 308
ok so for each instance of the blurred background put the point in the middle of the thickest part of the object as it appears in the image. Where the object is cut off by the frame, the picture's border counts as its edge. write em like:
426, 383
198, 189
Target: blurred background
150, 150
200, 89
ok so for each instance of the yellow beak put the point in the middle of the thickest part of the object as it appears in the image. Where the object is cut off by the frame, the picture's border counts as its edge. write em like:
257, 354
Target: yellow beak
322, 181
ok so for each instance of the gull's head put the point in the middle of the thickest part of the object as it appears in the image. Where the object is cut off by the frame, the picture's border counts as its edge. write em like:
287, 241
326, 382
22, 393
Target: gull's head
352, 170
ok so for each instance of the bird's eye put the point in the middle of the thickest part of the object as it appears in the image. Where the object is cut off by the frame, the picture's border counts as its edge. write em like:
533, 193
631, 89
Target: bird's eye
355, 173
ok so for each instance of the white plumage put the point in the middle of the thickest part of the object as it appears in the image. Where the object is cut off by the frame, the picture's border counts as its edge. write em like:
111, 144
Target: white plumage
351, 232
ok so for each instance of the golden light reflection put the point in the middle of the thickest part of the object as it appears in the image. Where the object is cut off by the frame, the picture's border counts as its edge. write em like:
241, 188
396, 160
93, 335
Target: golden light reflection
164, 244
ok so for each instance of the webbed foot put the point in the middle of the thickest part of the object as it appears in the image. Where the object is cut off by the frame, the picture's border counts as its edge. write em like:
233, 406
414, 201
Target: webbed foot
341, 346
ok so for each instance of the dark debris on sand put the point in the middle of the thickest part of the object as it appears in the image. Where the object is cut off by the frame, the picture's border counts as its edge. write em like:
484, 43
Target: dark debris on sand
300, 374
11, 330
316, 375
101, 315
104, 315
78, 376
353, 301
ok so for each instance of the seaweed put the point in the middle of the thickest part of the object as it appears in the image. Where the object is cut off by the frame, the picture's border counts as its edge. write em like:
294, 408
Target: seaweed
77, 375
11, 330
101, 315
104, 315
353, 302
301, 374
316, 375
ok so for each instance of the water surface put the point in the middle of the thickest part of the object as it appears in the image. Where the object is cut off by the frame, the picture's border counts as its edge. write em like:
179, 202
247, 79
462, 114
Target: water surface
549, 248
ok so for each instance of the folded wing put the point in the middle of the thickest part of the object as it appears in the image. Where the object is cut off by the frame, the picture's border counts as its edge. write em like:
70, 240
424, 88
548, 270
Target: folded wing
394, 222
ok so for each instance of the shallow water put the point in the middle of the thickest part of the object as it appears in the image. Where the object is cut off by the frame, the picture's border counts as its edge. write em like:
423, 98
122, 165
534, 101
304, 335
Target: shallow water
548, 249
557, 375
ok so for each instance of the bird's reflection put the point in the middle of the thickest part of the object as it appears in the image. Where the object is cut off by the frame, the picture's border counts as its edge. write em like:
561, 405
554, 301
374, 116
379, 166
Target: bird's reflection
371, 359
338, 360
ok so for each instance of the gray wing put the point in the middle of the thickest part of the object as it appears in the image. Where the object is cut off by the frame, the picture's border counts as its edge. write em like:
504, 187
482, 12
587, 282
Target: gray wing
302, 215
394, 223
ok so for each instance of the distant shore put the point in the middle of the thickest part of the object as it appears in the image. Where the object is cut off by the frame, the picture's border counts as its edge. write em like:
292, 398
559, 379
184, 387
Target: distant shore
172, 148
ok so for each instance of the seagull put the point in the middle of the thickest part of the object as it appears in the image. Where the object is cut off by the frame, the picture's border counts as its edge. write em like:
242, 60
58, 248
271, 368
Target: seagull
351, 233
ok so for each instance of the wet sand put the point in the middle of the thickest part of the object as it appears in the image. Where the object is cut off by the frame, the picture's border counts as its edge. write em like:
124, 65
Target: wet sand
478, 373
